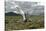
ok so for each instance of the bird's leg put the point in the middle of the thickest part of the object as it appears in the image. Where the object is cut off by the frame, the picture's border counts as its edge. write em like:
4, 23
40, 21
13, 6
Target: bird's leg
24, 18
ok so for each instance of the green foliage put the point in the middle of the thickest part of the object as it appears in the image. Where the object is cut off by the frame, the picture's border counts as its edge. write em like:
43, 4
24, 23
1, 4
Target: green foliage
15, 22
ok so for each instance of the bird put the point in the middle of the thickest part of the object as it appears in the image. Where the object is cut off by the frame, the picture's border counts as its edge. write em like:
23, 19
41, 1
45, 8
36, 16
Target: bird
20, 11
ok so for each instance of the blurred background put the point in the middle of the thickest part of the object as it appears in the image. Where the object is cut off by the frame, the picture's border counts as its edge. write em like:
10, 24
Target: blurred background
35, 20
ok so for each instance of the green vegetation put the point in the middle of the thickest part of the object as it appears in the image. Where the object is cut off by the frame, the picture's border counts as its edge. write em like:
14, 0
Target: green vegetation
15, 22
